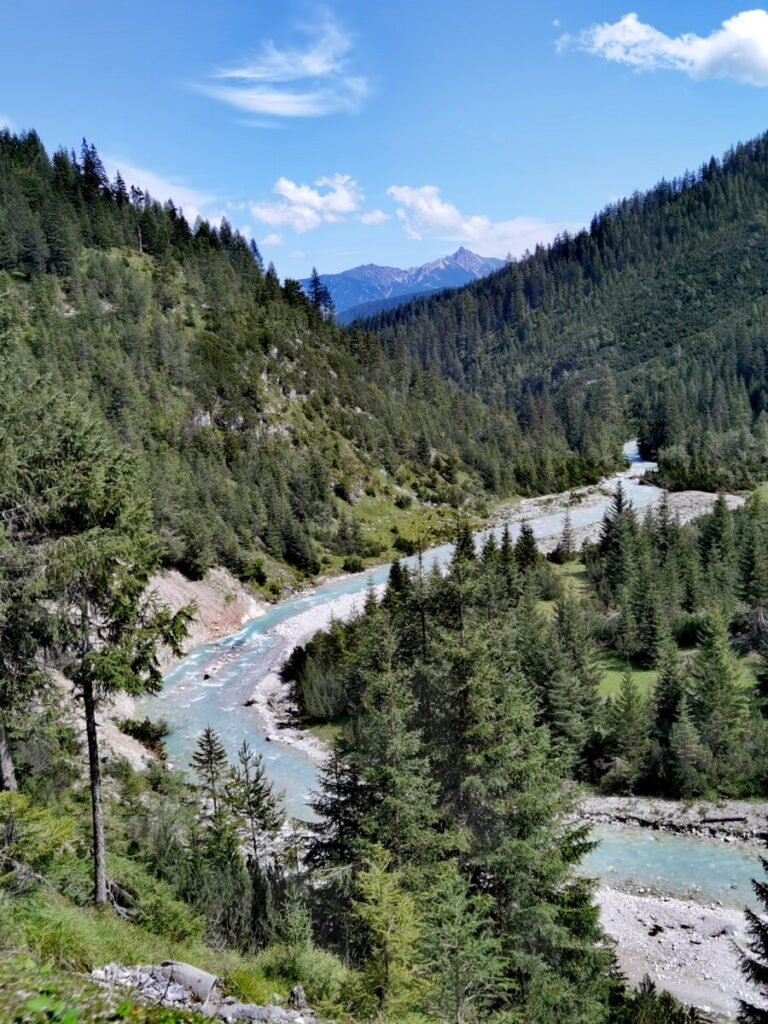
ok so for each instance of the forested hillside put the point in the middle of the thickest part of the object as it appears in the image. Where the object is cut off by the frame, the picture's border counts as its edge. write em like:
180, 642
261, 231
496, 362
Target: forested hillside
659, 307
257, 422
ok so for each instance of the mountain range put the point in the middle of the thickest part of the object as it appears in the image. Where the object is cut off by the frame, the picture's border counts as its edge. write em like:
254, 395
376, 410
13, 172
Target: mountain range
370, 288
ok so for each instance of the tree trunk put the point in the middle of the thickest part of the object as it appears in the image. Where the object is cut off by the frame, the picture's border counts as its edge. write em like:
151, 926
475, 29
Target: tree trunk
7, 771
99, 847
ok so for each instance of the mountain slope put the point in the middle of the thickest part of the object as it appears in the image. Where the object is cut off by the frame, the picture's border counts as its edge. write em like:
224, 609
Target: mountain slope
370, 282
661, 301
264, 433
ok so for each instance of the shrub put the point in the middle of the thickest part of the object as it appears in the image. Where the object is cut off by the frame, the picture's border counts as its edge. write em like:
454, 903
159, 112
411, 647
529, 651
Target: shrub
151, 734
353, 563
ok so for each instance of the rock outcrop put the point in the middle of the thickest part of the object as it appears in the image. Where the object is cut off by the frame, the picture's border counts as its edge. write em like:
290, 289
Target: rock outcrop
182, 986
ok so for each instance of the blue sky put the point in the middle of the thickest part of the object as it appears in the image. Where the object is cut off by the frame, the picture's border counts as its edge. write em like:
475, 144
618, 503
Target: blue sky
391, 132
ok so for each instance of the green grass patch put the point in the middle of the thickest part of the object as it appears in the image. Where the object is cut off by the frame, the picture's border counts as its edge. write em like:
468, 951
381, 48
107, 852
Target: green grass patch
614, 665
574, 577
327, 732
51, 930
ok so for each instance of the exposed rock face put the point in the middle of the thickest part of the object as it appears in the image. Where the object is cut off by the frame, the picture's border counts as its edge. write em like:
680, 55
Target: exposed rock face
182, 986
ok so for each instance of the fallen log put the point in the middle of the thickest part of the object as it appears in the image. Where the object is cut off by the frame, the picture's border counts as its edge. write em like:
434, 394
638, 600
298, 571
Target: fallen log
719, 821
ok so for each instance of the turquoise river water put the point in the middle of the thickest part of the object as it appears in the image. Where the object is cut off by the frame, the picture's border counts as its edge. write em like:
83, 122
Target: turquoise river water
189, 702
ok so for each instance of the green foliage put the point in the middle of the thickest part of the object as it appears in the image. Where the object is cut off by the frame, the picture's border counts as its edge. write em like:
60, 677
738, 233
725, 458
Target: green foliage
255, 419
295, 957
151, 734
654, 315
754, 962
209, 762
250, 798
461, 959
388, 981
29, 837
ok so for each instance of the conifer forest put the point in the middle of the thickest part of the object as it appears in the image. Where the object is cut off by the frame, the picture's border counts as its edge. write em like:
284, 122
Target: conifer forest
174, 409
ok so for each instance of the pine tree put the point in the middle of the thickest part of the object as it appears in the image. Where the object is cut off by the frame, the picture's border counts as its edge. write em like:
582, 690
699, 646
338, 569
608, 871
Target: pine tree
100, 555
393, 928
719, 704
400, 814
461, 957
340, 804
754, 964
686, 754
664, 706
567, 545
616, 546
526, 549
576, 656
719, 551
209, 761
628, 732
250, 796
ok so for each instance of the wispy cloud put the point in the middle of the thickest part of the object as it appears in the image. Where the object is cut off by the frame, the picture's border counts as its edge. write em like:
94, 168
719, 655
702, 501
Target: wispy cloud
272, 239
737, 50
423, 212
312, 81
304, 207
193, 202
374, 217
6, 122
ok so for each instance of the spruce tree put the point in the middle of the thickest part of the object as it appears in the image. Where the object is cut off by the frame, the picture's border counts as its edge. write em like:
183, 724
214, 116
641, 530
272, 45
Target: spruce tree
250, 796
461, 958
719, 703
688, 758
567, 545
100, 556
628, 735
754, 964
526, 549
209, 761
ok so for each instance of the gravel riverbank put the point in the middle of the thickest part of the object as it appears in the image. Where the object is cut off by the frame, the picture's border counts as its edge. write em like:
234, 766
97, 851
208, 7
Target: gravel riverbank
690, 949
684, 505
729, 820
270, 699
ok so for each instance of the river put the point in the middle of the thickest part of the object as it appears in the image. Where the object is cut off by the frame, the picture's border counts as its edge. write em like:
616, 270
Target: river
211, 685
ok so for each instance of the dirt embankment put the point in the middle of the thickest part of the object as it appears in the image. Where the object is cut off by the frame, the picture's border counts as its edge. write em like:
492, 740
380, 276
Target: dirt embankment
223, 605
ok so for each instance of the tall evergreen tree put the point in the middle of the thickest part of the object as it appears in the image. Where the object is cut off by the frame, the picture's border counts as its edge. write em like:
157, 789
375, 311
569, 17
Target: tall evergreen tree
754, 964
209, 761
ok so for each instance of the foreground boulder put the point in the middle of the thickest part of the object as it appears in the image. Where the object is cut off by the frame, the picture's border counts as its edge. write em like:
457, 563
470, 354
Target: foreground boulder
175, 984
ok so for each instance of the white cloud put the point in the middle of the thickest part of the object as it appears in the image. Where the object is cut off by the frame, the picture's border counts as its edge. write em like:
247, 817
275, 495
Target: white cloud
297, 254
374, 217
309, 82
192, 201
273, 239
422, 212
304, 207
737, 50
6, 122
